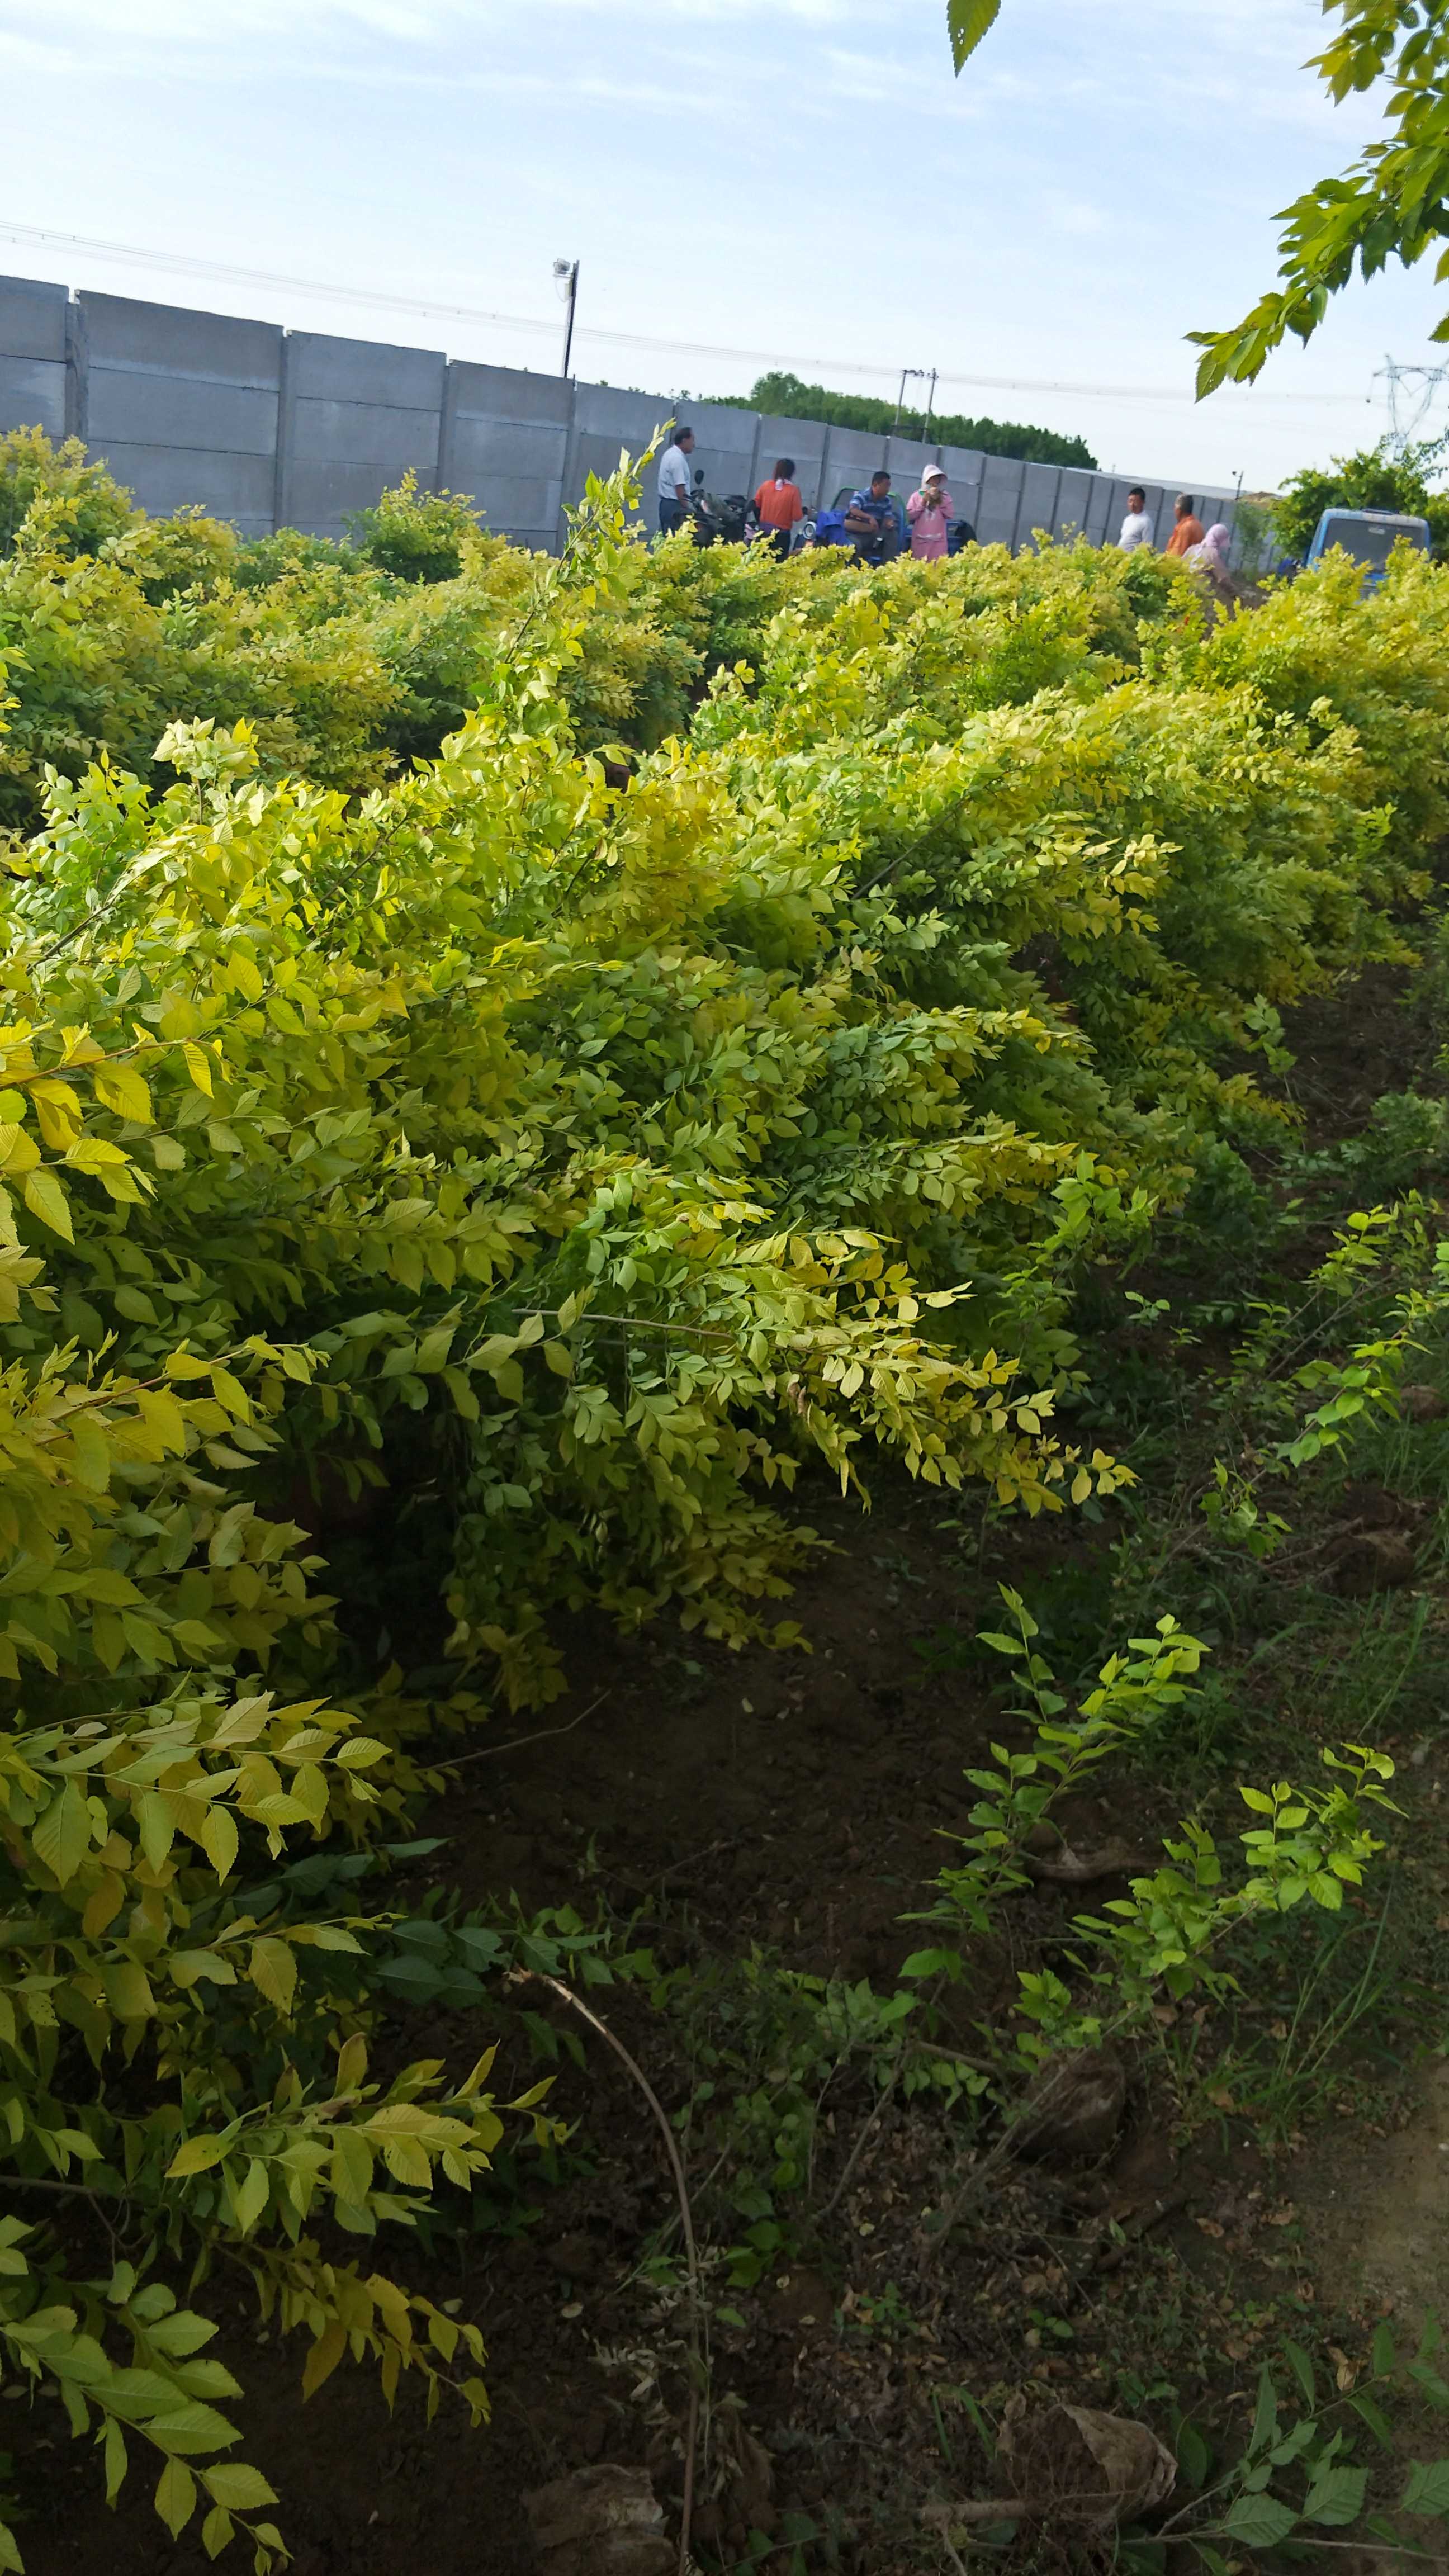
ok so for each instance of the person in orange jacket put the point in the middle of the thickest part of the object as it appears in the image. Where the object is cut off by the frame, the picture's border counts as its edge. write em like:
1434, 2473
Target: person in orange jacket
778, 505
1188, 530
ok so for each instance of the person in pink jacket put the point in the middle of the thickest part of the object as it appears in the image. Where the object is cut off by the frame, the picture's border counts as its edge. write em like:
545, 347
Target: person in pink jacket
930, 512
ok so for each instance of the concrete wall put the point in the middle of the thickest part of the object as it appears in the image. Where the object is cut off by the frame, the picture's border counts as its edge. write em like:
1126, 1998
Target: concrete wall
269, 428
183, 406
355, 417
505, 440
33, 355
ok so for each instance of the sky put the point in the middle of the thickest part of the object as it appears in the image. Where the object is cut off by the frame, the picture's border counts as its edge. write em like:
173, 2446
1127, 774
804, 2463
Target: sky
745, 183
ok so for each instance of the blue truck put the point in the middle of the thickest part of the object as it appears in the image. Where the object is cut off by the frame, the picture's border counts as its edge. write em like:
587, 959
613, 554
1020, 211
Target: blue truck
1368, 536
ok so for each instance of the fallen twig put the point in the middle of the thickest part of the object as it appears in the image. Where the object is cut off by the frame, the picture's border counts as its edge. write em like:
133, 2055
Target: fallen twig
868, 2131
517, 1743
566, 1995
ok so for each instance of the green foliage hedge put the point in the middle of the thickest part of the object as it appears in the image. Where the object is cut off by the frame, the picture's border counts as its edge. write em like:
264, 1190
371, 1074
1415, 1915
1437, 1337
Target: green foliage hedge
582, 1153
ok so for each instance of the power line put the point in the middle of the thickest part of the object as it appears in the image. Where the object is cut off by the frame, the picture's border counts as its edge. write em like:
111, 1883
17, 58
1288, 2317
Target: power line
374, 298
177, 260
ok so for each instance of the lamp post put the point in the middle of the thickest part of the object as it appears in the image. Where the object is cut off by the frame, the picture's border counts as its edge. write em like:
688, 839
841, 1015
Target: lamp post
567, 271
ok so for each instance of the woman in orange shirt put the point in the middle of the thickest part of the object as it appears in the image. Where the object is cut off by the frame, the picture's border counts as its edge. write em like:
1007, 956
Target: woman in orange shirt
778, 505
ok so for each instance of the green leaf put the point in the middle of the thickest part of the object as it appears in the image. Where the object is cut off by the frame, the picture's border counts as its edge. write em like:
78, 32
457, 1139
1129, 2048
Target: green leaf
252, 2195
157, 1827
1427, 2491
194, 2156
181, 2334
1376, 2420
62, 1837
176, 2496
1302, 2369
1265, 2419
1430, 2385
45, 1197
242, 2489
1336, 2495
968, 21
219, 1839
1194, 2458
116, 2461
1258, 2521
273, 1969
192, 2428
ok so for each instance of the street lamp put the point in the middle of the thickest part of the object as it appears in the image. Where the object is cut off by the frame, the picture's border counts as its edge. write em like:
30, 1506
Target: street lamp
567, 272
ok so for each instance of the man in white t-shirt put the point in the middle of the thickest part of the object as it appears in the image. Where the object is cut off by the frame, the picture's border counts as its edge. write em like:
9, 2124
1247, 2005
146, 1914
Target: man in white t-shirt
1137, 526
674, 482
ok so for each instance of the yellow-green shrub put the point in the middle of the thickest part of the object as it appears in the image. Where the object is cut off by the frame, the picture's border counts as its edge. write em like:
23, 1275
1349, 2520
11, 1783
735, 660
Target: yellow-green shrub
599, 1158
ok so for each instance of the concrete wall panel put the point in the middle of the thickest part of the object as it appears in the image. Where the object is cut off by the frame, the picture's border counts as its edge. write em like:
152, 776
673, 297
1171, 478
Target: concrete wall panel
355, 416
167, 340
182, 405
32, 355
1099, 511
1000, 501
1074, 493
964, 469
326, 369
381, 434
851, 459
164, 479
502, 447
32, 319
510, 393
322, 490
177, 411
504, 441
908, 458
512, 501
1038, 506
32, 395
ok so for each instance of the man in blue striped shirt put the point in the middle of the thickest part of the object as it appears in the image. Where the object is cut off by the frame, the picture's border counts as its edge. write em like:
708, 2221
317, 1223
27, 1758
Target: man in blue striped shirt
871, 519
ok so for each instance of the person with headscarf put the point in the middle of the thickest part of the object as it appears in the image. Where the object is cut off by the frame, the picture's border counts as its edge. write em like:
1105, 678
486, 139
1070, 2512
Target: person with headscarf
1212, 555
930, 511
1228, 588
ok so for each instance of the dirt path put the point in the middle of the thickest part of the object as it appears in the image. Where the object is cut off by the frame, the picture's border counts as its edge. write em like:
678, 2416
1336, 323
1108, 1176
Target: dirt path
1376, 2212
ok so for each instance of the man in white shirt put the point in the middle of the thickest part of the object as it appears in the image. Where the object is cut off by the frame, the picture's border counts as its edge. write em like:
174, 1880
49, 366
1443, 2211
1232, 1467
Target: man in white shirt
1137, 526
674, 482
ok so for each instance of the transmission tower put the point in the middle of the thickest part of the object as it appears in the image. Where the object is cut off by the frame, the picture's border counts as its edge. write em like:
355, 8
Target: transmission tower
1412, 395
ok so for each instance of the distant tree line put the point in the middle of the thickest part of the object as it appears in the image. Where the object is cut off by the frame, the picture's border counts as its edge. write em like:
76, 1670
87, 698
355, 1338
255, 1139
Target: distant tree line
786, 396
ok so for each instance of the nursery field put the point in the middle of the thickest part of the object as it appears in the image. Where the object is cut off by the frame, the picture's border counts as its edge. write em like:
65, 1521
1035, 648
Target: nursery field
725, 1464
